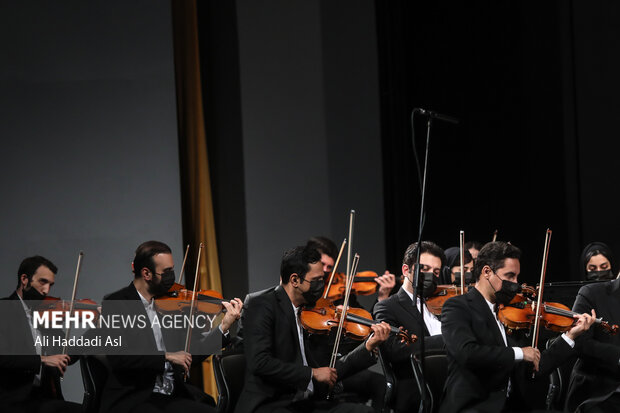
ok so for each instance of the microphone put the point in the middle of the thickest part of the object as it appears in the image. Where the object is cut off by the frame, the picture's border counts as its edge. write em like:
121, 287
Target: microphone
435, 115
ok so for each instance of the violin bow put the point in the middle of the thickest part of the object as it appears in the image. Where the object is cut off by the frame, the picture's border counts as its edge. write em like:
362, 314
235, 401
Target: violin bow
462, 256
494, 236
343, 316
351, 220
183, 265
331, 277
541, 287
75, 283
193, 305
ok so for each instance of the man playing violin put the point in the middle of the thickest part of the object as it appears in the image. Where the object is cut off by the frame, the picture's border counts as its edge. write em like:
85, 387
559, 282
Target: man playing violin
155, 381
366, 384
282, 373
29, 378
401, 310
483, 364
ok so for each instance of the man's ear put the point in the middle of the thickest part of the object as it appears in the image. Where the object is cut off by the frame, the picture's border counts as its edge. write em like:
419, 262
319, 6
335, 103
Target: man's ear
294, 279
23, 279
405, 270
486, 271
146, 274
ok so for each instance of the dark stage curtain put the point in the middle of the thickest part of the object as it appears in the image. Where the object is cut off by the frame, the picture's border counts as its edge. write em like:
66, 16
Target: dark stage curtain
507, 70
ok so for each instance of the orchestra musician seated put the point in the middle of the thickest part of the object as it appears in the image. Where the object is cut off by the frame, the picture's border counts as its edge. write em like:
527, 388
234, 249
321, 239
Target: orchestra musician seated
597, 262
484, 364
154, 380
452, 270
401, 310
283, 374
30, 374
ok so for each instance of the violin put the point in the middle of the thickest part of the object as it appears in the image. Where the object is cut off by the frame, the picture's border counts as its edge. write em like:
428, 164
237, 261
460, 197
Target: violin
442, 294
80, 307
324, 316
363, 284
520, 313
178, 300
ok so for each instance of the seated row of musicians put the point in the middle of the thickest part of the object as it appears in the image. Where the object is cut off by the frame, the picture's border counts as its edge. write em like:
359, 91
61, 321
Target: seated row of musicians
31, 381
484, 364
30, 374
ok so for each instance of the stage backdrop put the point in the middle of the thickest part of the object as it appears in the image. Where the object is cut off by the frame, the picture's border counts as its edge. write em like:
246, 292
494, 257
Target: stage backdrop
89, 141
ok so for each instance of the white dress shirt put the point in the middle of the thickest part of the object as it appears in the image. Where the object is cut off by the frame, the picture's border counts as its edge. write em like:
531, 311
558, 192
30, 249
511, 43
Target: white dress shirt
300, 336
433, 325
164, 383
35, 334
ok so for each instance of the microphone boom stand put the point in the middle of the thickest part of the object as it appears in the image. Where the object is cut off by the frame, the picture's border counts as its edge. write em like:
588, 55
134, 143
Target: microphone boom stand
417, 291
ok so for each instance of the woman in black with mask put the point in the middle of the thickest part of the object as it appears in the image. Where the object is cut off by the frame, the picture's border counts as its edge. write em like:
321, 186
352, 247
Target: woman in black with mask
451, 273
597, 262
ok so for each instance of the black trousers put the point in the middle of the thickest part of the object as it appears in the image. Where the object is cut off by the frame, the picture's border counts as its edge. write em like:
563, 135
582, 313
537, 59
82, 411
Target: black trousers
169, 404
311, 406
43, 405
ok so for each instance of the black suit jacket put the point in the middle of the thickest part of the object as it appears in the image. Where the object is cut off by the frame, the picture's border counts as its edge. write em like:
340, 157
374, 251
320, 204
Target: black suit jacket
132, 377
275, 370
480, 364
597, 372
399, 310
19, 362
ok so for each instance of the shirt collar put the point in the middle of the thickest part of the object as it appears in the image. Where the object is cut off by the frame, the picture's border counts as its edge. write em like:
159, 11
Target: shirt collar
145, 302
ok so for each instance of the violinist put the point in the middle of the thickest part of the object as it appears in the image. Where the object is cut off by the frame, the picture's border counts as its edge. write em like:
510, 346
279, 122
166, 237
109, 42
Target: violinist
483, 362
366, 384
595, 380
452, 270
401, 310
154, 381
30, 380
329, 253
282, 372
597, 262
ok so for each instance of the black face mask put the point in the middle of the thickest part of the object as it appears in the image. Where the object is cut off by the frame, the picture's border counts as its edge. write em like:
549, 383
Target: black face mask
599, 275
314, 292
32, 294
162, 287
429, 283
506, 293
469, 277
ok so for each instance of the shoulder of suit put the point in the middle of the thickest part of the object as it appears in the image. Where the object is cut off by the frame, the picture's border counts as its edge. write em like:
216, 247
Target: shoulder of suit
125, 293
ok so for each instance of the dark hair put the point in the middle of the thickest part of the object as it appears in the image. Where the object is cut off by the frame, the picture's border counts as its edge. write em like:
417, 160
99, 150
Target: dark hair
426, 246
477, 245
453, 257
596, 248
324, 245
493, 254
145, 253
30, 265
297, 261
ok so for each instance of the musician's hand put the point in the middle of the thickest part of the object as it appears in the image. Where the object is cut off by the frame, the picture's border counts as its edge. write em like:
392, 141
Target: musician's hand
60, 361
180, 358
386, 283
233, 313
380, 333
325, 375
584, 321
532, 355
